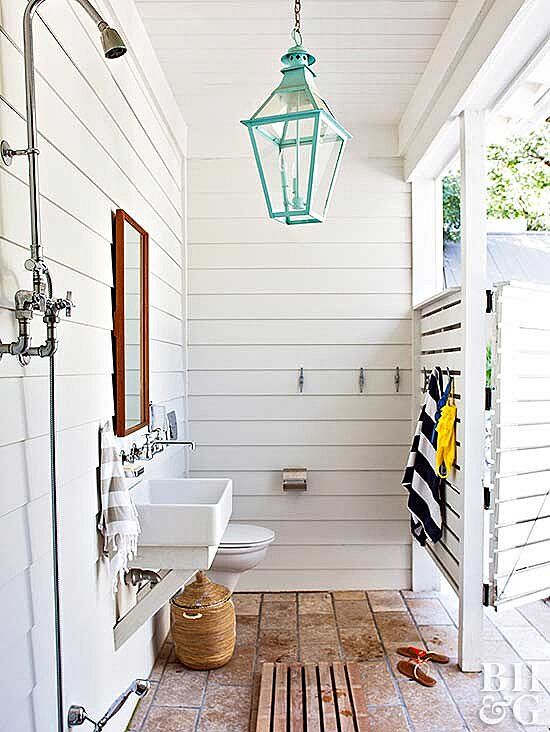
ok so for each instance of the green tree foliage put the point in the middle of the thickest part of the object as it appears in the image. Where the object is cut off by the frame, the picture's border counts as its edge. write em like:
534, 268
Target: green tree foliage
451, 207
518, 183
519, 179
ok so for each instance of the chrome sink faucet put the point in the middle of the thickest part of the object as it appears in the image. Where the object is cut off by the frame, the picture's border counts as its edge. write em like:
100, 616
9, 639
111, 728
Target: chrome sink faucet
190, 443
156, 444
157, 440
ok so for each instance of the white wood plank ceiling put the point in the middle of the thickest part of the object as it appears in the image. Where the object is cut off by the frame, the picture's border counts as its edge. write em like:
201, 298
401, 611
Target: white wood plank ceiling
221, 57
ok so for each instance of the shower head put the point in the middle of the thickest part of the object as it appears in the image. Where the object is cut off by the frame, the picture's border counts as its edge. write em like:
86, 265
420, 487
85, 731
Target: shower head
113, 45
111, 40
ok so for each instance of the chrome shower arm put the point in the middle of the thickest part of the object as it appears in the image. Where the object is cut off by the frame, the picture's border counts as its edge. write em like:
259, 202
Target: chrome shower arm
92, 11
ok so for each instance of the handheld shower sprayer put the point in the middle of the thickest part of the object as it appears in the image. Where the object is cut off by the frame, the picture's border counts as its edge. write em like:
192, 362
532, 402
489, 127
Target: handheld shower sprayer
77, 715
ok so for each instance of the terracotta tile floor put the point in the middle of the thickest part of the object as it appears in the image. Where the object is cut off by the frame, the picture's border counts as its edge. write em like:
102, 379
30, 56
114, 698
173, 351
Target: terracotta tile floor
364, 627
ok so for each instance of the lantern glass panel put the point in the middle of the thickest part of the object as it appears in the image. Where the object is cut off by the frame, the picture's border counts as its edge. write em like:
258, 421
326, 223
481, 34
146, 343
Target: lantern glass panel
321, 104
286, 102
329, 149
285, 156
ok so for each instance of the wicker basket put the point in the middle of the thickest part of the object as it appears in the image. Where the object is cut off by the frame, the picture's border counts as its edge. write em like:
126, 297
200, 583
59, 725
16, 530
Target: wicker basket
203, 624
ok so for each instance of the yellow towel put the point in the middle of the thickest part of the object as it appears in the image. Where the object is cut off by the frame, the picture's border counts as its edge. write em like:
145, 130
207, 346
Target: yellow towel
446, 438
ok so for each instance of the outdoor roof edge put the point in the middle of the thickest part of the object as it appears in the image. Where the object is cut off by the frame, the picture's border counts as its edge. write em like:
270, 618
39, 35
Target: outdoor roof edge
497, 44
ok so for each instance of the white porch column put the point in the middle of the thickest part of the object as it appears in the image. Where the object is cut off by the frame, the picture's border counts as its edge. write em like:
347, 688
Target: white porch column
473, 252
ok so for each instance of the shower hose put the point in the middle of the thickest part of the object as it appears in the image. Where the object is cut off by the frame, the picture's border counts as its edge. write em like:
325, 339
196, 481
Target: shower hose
55, 553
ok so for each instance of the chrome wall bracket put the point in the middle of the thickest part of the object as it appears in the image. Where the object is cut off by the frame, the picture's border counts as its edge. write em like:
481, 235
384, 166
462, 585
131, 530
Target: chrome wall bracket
77, 716
40, 299
8, 153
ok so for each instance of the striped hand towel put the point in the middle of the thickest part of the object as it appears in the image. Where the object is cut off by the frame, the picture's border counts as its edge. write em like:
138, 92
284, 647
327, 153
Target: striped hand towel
119, 520
421, 479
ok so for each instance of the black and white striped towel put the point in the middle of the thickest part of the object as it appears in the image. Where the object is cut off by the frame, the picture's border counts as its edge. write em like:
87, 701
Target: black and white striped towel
421, 478
118, 520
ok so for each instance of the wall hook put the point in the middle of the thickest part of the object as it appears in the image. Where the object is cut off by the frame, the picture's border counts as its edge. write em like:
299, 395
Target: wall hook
361, 379
301, 381
397, 378
426, 380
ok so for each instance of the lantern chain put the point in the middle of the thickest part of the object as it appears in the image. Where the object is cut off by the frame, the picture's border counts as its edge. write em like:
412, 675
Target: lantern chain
297, 21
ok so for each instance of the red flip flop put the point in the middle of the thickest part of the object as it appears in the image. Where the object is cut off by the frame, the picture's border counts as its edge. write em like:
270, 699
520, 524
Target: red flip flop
414, 671
417, 654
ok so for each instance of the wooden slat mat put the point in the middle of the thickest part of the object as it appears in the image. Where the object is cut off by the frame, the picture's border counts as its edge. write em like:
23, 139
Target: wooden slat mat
323, 697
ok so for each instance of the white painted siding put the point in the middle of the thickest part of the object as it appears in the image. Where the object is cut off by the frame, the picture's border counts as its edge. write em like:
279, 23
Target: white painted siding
265, 300
104, 144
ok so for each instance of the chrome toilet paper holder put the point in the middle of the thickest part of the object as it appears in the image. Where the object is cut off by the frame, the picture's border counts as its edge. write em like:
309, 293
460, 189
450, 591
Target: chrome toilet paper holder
294, 479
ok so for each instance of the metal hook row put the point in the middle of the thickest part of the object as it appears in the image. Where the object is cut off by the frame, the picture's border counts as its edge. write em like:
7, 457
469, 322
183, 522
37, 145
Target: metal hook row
362, 379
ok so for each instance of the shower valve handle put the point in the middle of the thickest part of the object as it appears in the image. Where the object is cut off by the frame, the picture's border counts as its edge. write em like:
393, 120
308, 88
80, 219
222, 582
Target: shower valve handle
69, 303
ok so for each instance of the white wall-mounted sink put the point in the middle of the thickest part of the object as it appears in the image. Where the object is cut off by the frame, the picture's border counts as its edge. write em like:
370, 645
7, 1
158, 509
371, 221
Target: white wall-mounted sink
182, 521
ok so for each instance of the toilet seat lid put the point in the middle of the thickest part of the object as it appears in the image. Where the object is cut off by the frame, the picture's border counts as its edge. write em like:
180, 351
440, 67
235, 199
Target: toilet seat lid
246, 535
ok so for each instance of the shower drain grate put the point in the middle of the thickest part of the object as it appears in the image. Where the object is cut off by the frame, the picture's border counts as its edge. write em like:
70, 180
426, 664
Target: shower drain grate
322, 697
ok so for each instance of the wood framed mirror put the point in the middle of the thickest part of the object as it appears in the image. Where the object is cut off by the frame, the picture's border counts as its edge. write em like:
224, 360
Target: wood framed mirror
131, 325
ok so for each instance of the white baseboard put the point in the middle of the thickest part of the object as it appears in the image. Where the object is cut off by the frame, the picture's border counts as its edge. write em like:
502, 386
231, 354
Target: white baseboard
267, 580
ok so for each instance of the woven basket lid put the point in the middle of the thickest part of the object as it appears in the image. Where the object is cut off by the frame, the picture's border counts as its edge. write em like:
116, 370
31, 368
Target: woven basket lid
202, 593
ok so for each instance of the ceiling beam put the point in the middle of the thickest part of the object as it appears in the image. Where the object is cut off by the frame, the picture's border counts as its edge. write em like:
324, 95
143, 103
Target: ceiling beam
485, 40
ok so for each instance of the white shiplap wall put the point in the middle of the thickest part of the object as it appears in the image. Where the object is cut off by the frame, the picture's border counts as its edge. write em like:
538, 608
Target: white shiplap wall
263, 301
104, 144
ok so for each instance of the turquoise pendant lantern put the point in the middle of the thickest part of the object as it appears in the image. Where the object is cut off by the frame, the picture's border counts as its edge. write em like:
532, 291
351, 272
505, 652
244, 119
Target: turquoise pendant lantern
297, 142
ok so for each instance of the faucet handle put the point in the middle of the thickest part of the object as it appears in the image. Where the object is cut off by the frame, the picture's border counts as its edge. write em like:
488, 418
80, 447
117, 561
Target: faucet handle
39, 298
69, 303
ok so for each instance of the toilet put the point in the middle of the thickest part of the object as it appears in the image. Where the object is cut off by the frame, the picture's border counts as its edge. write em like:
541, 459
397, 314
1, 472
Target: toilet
243, 547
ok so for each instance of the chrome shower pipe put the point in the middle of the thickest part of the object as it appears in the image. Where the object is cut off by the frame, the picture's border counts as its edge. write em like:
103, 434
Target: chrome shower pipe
40, 298
36, 263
